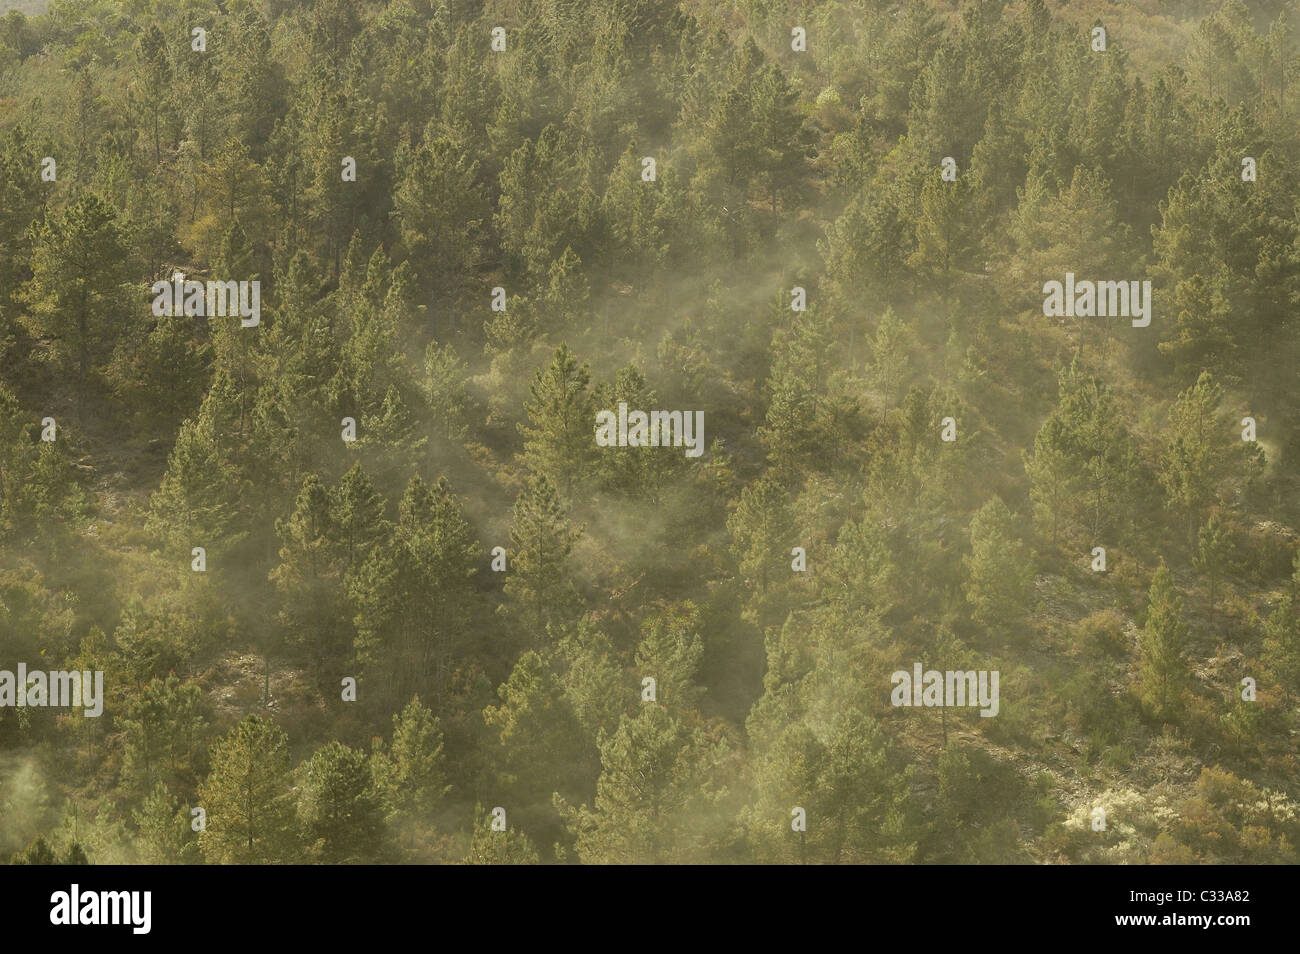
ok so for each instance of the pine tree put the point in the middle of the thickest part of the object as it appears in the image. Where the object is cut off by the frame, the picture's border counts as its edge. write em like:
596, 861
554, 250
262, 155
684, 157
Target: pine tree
414, 599
1281, 648
357, 515
650, 775
488, 847
168, 374
155, 83
19, 206
863, 794
999, 570
247, 796
39, 493
947, 240
558, 438
79, 269
163, 726
445, 390
232, 188
441, 211
632, 211
1163, 643
541, 540
1211, 551
867, 249
637, 472
198, 502
786, 778
338, 808
541, 748
780, 138
671, 651
163, 834
372, 358
411, 772
391, 436
1196, 458
38, 852
593, 679
1053, 475
863, 565
1080, 225
791, 432
888, 365
254, 93
762, 530
1084, 468
309, 576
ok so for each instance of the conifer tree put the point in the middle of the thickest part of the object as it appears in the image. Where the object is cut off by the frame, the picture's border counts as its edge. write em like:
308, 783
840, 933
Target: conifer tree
650, 774
411, 772
490, 847
309, 577
760, 528
163, 834
541, 540
541, 748
198, 501
357, 515
593, 679
413, 596
445, 390
671, 651
1211, 551
1281, 648
338, 807
163, 725
1198, 451
441, 210
1164, 642
999, 570
76, 293
559, 440
19, 205
250, 816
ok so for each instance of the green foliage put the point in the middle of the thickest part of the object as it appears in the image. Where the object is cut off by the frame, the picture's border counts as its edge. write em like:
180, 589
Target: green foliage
975, 793
410, 773
671, 651
1163, 642
247, 796
413, 597
489, 847
39, 852
762, 532
1199, 457
1085, 467
999, 570
39, 490
519, 685
850, 788
652, 792
541, 540
543, 751
77, 296
1281, 649
338, 808
558, 443
164, 725
163, 832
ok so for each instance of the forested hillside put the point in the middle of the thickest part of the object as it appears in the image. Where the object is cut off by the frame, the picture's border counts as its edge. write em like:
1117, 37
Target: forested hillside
371, 577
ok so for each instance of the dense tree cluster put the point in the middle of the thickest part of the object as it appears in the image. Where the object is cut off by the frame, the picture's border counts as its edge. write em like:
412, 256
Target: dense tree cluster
501, 268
